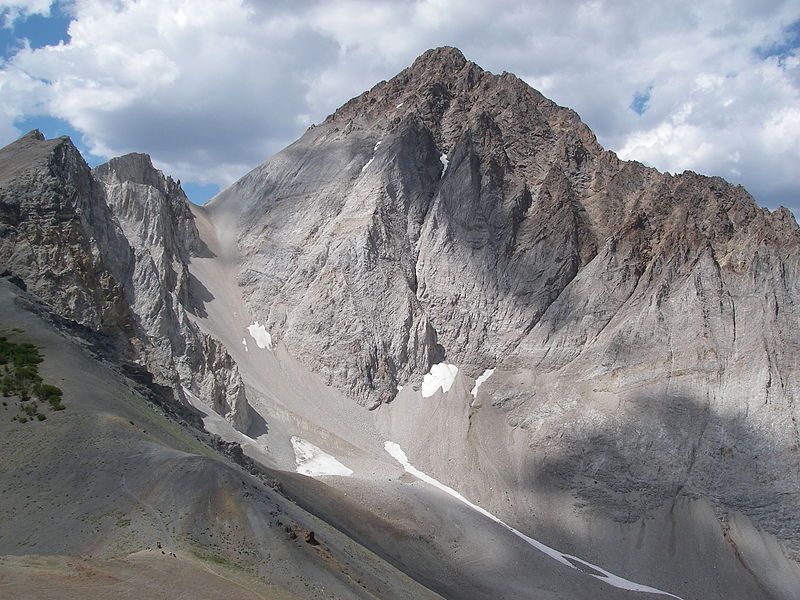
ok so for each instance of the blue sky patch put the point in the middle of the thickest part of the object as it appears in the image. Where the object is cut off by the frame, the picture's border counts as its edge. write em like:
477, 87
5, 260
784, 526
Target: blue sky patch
640, 101
782, 49
199, 194
38, 30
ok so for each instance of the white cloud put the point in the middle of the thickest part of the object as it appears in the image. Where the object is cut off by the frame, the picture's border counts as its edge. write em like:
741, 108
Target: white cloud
208, 87
740, 122
18, 9
18, 93
212, 87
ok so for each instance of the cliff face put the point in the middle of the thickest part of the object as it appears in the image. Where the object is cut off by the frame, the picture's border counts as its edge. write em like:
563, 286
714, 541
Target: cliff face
153, 213
109, 249
643, 327
467, 203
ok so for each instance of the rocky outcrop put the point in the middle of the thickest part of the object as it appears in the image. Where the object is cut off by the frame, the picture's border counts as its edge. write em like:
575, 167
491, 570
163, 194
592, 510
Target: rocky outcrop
109, 249
56, 233
643, 326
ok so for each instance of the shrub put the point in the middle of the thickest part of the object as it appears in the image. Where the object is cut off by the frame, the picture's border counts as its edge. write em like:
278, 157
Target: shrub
47, 392
20, 377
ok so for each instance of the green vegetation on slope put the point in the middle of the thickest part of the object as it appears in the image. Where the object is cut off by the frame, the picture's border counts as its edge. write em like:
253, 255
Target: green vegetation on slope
19, 378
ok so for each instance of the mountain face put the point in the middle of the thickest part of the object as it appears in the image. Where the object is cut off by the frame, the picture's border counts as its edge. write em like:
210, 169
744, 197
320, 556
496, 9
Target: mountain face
153, 214
648, 322
54, 229
471, 325
463, 206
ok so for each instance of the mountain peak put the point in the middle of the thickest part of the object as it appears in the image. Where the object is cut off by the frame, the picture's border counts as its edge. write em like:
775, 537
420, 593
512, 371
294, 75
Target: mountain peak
435, 72
33, 134
32, 149
441, 89
442, 57
135, 167
451, 97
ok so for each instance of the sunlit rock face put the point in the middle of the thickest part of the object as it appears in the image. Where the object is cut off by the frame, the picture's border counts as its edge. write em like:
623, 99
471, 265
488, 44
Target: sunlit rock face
153, 213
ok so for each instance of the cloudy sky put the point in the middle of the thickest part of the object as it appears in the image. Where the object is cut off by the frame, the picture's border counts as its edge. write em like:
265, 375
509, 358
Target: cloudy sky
210, 88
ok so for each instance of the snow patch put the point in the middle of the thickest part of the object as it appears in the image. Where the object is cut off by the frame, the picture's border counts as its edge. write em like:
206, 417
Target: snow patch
396, 452
399, 388
314, 462
399, 105
260, 334
481, 378
445, 162
442, 376
369, 162
244, 343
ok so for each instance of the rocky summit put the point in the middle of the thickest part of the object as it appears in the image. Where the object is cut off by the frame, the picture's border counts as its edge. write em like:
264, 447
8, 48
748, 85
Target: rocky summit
444, 345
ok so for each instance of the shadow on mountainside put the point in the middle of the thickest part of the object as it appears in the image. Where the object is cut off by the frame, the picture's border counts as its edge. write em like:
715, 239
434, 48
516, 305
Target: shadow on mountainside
659, 447
200, 249
199, 295
258, 425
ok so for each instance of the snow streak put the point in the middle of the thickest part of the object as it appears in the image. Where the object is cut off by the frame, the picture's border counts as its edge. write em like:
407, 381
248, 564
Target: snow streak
565, 559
